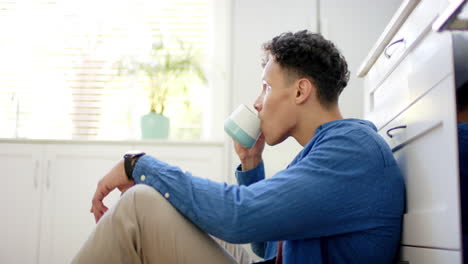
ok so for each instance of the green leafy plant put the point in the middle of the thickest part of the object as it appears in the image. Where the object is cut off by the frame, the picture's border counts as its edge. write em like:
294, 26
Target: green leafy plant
168, 72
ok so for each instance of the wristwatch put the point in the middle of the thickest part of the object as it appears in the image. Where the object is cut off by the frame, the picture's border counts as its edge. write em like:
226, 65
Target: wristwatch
129, 157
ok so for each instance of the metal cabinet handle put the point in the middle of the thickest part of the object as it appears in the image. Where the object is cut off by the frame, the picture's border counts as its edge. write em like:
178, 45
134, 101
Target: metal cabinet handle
395, 128
386, 51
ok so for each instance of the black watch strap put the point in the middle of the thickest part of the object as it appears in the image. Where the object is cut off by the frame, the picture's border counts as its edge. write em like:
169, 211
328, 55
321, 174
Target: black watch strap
128, 158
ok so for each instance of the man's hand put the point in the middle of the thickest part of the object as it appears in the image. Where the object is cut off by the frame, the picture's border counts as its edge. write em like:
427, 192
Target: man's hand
250, 158
115, 178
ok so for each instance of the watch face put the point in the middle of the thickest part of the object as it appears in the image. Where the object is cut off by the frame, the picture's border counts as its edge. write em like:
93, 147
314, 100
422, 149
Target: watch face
133, 153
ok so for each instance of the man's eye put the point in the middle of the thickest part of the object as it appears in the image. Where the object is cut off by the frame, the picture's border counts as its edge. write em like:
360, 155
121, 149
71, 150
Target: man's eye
266, 87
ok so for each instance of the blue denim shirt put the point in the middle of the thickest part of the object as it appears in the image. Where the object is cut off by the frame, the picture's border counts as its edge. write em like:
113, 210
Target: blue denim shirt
340, 200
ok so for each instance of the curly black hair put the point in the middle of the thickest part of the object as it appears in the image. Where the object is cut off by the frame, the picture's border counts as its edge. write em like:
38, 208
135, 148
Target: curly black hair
310, 55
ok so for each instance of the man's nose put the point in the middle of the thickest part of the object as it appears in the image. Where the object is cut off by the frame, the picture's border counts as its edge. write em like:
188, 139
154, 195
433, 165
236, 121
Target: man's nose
258, 105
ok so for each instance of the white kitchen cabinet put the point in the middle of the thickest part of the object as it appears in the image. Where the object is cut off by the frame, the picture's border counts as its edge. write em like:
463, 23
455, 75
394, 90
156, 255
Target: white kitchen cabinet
427, 156
20, 202
72, 173
409, 94
49, 187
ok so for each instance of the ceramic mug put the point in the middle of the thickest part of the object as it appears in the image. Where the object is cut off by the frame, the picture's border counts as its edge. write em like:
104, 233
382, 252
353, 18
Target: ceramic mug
243, 125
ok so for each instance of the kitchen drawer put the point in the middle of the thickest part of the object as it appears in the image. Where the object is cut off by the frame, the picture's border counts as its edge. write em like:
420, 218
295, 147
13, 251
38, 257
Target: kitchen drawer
424, 68
390, 98
415, 255
430, 62
417, 24
423, 139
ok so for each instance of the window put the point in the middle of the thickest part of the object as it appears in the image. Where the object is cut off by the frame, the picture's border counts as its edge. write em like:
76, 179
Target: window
59, 69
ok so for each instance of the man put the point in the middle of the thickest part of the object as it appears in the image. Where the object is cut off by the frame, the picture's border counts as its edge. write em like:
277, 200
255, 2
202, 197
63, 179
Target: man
340, 200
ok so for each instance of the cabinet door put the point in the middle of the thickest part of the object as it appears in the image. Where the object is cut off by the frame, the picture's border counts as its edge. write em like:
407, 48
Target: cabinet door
428, 157
20, 202
431, 156
73, 172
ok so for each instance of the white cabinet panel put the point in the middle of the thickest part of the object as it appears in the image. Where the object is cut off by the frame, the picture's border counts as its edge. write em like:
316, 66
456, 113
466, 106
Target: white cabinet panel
20, 202
390, 98
430, 63
421, 70
433, 217
73, 173
388, 53
428, 160
414, 255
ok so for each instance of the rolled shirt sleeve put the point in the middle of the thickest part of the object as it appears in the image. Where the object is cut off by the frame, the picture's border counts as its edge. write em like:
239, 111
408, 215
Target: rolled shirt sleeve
247, 178
251, 176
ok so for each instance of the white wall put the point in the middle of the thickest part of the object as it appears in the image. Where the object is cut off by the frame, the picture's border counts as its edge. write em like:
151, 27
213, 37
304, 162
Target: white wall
354, 26
219, 52
255, 22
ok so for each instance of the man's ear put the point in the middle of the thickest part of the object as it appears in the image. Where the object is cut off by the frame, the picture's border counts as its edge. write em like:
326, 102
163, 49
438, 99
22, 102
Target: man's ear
304, 90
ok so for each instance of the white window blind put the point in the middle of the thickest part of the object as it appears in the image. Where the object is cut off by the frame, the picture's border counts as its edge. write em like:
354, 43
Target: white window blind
58, 69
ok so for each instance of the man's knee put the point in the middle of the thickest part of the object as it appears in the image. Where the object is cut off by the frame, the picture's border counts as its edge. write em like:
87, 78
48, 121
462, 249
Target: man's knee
140, 190
142, 195
136, 193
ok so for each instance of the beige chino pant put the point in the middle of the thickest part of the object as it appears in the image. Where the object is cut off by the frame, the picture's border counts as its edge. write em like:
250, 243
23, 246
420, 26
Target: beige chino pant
145, 228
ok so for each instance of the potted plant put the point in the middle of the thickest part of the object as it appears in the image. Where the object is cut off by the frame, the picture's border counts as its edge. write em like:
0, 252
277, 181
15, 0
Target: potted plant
167, 73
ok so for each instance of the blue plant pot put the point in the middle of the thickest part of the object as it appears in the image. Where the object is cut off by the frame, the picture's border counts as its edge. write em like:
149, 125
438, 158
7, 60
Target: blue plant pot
154, 126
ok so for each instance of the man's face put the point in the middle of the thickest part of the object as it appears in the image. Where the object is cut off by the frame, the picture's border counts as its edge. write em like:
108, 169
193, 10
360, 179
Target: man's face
275, 104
